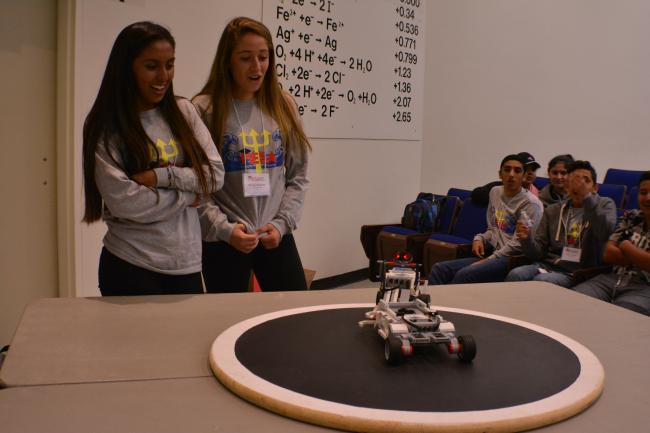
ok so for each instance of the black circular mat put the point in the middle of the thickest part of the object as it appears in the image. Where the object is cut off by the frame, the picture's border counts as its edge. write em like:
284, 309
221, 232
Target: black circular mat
324, 354
317, 365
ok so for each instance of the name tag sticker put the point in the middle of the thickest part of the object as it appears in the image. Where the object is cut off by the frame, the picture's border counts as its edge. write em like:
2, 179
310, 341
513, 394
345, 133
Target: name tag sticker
571, 254
256, 184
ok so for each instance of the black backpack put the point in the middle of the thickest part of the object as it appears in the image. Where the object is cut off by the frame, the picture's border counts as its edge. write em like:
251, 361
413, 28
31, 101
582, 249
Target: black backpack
422, 214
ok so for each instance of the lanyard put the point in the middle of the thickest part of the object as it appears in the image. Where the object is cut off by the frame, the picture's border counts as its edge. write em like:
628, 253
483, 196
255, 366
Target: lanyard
243, 136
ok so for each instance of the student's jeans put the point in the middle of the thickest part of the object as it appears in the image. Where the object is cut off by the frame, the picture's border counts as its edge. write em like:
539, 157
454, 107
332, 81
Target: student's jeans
463, 271
634, 295
531, 272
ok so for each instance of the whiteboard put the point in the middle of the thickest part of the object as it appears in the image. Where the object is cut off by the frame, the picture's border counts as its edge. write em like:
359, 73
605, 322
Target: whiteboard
355, 67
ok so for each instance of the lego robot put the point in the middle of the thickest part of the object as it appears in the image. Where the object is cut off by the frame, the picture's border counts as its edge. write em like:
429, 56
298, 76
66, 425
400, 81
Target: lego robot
403, 318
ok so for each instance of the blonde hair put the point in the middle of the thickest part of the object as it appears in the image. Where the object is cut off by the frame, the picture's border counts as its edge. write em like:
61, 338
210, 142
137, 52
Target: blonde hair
270, 98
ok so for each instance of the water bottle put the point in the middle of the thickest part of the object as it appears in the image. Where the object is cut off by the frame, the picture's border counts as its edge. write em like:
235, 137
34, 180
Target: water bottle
526, 219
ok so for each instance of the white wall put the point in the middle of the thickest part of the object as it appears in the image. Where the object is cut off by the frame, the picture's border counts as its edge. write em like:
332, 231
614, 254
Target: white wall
354, 182
28, 258
547, 77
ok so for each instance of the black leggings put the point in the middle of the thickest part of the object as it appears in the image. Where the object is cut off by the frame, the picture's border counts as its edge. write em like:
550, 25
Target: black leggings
120, 278
227, 270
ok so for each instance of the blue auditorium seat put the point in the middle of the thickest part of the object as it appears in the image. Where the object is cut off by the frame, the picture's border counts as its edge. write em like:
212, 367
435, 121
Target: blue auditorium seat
617, 176
615, 192
541, 182
463, 194
633, 198
458, 243
380, 241
629, 178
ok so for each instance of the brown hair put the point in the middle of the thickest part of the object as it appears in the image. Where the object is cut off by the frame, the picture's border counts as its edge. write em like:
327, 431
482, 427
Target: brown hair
270, 97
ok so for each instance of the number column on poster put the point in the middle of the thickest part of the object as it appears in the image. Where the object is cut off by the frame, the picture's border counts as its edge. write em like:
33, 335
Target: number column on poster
336, 59
406, 58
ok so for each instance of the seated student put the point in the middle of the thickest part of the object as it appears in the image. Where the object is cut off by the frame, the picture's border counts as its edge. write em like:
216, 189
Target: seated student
481, 195
571, 235
556, 190
508, 203
628, 250
530, 172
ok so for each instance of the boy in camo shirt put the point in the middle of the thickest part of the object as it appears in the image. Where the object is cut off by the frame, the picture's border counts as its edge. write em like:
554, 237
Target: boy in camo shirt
628, 249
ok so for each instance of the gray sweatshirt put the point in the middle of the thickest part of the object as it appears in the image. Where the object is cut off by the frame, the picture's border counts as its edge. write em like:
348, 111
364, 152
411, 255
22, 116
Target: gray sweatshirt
156, 229
502, 214
549, 196
264, 151
590, 235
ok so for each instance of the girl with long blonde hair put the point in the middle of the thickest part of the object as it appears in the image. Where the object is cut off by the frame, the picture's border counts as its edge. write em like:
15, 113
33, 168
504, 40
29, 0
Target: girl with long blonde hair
257, 130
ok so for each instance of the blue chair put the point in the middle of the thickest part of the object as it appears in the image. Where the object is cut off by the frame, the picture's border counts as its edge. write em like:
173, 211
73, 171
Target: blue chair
449, 206
397, 238
448, 212
441, 246
633, 198
541, 182
629, 178
615, 192
617, 176
380, 241
462, 194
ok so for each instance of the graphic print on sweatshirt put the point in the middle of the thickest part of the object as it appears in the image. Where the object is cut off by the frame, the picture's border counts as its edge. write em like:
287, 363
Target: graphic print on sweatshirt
573, 233
640, 240
505, 221
252, 150
163, 153
632, 228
